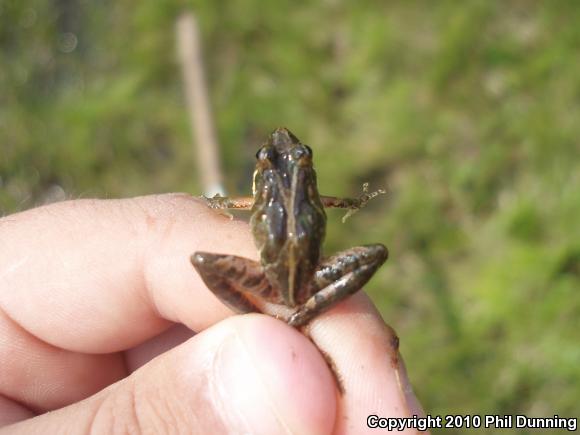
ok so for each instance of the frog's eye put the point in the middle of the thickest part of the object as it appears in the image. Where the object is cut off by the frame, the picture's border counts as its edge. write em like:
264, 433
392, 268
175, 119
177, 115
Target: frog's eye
266, 153
302, 152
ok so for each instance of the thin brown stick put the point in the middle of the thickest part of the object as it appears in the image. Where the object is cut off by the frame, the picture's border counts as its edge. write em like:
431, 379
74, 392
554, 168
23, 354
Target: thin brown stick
200, 115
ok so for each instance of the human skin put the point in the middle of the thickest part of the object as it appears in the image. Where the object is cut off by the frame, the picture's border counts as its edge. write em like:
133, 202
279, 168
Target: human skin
98, 302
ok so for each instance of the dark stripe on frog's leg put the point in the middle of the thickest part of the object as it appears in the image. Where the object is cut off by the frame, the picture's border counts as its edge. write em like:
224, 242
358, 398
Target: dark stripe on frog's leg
333, 268
235, 280
339, 277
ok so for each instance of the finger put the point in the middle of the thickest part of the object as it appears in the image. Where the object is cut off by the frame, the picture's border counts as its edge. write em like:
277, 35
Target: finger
101, 276
43, 377
248, 374
11, 412
365, 352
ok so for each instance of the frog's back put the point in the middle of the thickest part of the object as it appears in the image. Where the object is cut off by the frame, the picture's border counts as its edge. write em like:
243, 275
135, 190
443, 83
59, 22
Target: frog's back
288, 219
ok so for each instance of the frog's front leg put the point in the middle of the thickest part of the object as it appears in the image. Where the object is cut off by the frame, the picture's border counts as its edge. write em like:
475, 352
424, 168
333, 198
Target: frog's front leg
339, 277
238, 282
224, 203
352, 204
218, 202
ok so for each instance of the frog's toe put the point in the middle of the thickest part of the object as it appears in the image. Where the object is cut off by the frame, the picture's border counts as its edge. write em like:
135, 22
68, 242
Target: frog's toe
379, 251
201, 258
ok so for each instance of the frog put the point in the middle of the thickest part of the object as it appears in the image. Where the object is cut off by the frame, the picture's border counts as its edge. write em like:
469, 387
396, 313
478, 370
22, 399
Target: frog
292, 280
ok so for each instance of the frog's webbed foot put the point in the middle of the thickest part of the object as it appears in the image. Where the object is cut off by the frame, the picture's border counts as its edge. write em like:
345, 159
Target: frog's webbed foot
363, 199
238, 282
339, 277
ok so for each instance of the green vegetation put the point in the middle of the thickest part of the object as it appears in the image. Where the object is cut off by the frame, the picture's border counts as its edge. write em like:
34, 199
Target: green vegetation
467, 112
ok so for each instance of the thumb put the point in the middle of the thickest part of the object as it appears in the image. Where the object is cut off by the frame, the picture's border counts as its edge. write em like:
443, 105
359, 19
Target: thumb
247, 374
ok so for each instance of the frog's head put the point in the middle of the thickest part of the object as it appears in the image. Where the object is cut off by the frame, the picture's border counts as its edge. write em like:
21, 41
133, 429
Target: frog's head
284, 153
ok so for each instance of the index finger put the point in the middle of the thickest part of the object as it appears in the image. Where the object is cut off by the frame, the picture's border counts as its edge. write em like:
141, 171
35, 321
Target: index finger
100, 276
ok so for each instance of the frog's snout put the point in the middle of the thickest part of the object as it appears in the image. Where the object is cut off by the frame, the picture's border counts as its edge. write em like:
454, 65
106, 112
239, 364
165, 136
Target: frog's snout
282, 137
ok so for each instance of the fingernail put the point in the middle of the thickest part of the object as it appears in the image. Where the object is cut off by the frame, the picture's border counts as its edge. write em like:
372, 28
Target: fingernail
413, 404
272, 379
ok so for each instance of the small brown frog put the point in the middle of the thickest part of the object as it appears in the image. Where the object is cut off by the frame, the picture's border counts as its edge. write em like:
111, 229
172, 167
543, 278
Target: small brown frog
288, 223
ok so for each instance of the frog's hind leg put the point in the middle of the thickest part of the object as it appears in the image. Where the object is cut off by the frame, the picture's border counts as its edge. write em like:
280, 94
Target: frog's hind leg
339, 277
236, 281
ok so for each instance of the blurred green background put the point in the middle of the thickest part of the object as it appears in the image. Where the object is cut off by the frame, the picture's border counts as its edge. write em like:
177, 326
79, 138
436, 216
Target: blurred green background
467, 112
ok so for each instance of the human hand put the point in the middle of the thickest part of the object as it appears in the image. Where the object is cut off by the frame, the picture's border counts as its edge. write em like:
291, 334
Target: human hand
93, 298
